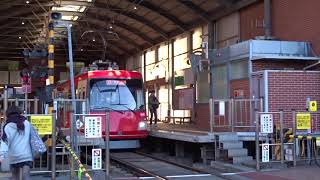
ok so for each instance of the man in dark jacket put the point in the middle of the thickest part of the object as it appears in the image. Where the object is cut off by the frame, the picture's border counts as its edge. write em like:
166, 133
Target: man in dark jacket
153, 105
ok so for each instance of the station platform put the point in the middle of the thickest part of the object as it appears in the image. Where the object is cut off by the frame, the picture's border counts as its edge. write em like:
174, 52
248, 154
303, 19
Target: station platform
190, 133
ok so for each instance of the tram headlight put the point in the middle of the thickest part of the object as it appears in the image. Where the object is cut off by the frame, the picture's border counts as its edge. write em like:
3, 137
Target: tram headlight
142, 126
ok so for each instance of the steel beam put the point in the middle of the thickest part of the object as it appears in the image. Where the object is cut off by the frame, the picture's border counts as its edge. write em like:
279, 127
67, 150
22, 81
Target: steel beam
131, 15
123, 26
161, 12
196, 9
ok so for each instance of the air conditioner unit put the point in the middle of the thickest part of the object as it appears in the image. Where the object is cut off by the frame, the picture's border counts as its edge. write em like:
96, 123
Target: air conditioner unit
204, 65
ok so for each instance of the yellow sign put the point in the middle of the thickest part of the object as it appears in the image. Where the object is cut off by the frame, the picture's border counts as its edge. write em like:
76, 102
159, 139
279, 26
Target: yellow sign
43, 124
318, 141
303, 121
313, 106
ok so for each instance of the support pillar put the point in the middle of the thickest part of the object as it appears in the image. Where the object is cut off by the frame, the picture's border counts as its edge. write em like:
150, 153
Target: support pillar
51, 61
179, 149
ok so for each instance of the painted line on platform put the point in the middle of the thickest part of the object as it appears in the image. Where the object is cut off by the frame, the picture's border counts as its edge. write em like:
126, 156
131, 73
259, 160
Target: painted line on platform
236, 173
230, 174
191, 175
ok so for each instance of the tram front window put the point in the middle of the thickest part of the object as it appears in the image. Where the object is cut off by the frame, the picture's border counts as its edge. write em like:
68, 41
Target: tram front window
115, 94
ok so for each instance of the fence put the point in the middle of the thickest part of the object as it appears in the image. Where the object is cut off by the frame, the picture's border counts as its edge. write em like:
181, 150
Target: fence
282, 139
306, 136
86, 144
233, 114
270, 140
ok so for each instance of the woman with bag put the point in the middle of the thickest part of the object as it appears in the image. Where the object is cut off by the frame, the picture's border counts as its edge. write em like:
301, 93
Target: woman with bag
16, 136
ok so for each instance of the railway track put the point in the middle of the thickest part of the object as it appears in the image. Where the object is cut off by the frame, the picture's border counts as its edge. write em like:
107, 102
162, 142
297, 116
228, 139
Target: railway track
144, 166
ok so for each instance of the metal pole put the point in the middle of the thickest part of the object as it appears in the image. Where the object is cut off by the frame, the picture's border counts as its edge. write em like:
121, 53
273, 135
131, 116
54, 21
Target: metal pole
5, 103
71, 144
231, 109
294, 137
267, 17
26, 103
16, 102
35, 106
107, 148
73, 95
257, 141
281, 137
211, 114
53, 151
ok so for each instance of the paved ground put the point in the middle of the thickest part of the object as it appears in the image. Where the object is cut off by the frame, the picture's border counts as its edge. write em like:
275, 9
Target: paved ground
297, 173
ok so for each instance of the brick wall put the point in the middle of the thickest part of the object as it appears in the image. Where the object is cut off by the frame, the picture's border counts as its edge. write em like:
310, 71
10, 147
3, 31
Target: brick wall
203, 116
289, 90
251, 21
259, 65
240, 84
296, 20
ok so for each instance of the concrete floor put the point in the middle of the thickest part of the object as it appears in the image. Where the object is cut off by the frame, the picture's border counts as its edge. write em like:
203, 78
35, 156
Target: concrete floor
297, 173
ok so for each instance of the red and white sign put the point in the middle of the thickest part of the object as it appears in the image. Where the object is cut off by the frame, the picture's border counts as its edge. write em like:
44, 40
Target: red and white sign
26, 84
96, 159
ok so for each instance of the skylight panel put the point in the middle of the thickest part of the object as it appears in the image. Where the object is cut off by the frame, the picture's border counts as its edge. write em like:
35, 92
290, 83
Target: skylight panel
70, 18
70, 8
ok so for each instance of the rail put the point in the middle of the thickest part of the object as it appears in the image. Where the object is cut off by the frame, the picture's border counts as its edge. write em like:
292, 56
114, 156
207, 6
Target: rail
137, 169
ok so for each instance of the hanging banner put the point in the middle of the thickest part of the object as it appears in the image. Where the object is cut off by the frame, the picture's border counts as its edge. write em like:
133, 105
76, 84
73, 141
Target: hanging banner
43, 124
26, 84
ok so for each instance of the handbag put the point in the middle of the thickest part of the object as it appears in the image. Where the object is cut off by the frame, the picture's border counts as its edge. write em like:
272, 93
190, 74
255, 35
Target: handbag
5, 164
37, 145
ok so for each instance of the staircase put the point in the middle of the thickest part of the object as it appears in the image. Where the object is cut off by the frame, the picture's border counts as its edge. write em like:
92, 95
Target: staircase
231, 149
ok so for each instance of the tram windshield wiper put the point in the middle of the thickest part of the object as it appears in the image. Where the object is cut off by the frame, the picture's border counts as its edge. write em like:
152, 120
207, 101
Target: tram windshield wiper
104, 107
125, 106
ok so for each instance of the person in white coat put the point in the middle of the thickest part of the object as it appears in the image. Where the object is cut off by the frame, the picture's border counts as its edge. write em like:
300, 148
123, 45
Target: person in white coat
16, 136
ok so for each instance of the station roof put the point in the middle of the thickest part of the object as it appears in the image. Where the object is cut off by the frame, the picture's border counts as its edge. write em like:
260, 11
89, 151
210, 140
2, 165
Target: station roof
129, 26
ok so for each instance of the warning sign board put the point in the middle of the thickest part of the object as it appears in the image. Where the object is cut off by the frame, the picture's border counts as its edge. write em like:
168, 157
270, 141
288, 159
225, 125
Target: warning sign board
266, 121
265, 153
92, 126
43, 124
96, 159
303, 121
313, 106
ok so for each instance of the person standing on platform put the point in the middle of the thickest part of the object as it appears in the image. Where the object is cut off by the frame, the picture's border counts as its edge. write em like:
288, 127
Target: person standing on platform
16, 138
153, 104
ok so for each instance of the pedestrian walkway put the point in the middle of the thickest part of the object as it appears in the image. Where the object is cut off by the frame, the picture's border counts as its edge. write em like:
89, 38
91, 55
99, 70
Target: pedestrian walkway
297, 173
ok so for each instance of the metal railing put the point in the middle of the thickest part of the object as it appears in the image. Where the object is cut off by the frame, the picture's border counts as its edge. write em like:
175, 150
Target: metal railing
266, 133
233, 114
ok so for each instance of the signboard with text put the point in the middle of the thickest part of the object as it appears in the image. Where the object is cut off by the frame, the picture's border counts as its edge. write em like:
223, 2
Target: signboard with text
96, 159
266, 121
303, 121
43, 124
92, 126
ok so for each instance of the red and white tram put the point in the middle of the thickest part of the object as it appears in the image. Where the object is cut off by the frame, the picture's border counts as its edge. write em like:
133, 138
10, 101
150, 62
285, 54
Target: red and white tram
121, 93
